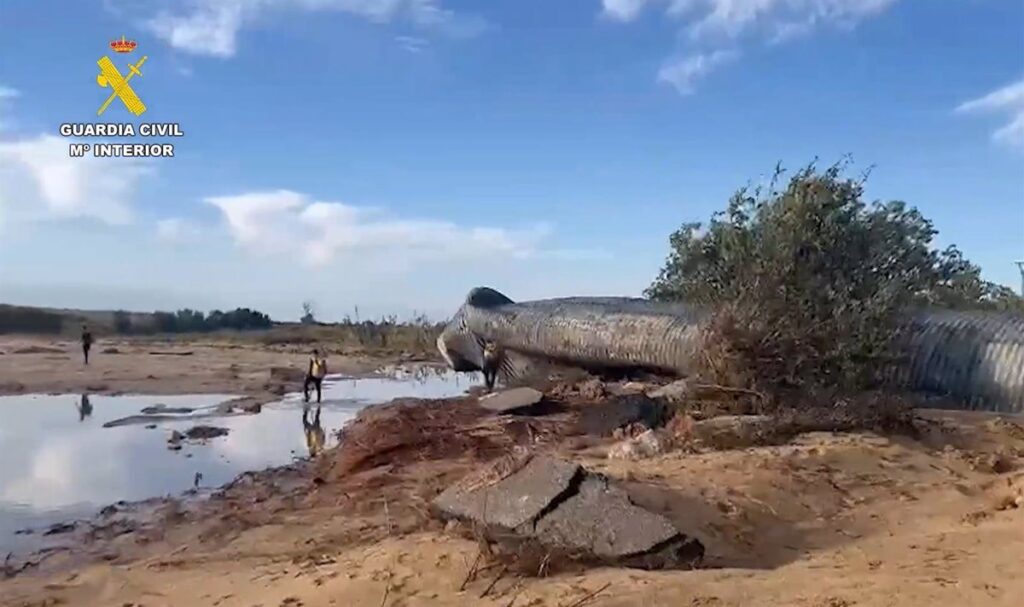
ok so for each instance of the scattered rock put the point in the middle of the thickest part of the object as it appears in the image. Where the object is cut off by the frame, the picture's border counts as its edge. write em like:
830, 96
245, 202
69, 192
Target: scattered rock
511, 401
150, 426
636, 387
604, 418
246, 404
556, 503
110, 351
732, 431
593, 389
646, 445
995, 463
60, 528
676, 392
205, 432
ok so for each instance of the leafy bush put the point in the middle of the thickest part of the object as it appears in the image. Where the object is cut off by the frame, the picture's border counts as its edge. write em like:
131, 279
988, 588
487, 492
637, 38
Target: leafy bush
808, 283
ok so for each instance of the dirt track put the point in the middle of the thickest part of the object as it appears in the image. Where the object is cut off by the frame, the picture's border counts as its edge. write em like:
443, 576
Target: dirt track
826, 520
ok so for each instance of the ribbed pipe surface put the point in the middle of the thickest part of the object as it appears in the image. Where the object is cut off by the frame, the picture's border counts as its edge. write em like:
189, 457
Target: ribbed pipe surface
974, 357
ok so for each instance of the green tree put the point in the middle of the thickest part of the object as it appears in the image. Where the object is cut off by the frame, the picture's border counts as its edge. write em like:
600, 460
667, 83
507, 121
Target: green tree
809, 282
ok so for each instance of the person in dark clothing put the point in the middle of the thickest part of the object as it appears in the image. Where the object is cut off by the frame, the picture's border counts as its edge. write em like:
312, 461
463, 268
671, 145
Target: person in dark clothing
86, 342
315, 375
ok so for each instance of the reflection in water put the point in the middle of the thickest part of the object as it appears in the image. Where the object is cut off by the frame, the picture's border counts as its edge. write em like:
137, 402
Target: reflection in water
53, 468
84, 408
314, 432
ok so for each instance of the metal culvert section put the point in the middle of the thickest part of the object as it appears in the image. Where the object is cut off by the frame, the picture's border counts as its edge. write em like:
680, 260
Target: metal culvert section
594, 332
975, 358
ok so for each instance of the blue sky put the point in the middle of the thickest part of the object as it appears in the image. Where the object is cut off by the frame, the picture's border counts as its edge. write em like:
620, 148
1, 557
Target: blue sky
392, 154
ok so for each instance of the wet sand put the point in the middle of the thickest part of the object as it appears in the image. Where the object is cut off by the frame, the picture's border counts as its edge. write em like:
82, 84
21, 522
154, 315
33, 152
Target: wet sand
825, 520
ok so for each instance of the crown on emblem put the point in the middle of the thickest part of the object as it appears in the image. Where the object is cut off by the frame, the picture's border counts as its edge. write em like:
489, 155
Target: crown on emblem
123, 46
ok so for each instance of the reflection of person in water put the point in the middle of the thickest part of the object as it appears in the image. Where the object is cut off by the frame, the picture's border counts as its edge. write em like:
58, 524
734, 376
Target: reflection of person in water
84, 408
314, 432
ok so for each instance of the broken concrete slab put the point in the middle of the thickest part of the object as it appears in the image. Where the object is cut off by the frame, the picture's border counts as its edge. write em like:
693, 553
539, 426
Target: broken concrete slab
510, 401
551, 502
601, 520
514, 500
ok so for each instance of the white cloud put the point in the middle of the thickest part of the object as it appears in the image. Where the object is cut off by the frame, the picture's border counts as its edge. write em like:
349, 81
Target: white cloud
176, 230
683, 73
39, 181
624, 10
287, 222
211, 27
707, 23
1008, 100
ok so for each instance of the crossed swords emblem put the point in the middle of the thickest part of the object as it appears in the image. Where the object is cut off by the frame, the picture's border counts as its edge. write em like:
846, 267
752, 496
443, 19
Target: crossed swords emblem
110, 76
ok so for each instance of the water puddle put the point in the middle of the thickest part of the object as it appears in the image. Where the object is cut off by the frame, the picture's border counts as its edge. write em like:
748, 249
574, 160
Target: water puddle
58, 462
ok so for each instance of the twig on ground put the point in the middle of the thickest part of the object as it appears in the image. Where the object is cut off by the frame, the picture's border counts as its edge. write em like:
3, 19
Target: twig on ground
728, 389
543, 568
387, 516
590, 596
519, 590
472, 570
500, 575
387, 590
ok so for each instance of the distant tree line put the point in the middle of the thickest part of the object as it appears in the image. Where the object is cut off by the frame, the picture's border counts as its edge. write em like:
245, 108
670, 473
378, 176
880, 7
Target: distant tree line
16, 319
193, 321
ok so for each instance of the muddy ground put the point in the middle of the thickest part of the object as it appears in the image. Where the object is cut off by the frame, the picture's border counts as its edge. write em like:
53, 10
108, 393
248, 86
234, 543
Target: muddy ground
149, 366
930, 514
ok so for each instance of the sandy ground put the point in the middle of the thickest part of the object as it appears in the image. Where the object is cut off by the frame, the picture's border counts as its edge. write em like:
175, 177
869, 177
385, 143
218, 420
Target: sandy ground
36, 365
825, 520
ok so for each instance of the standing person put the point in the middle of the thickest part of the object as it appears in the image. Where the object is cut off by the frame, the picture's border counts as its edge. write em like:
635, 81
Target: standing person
315, 375
86, 342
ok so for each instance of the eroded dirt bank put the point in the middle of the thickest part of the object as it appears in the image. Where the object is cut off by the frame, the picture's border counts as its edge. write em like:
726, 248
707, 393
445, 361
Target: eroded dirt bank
929, 516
